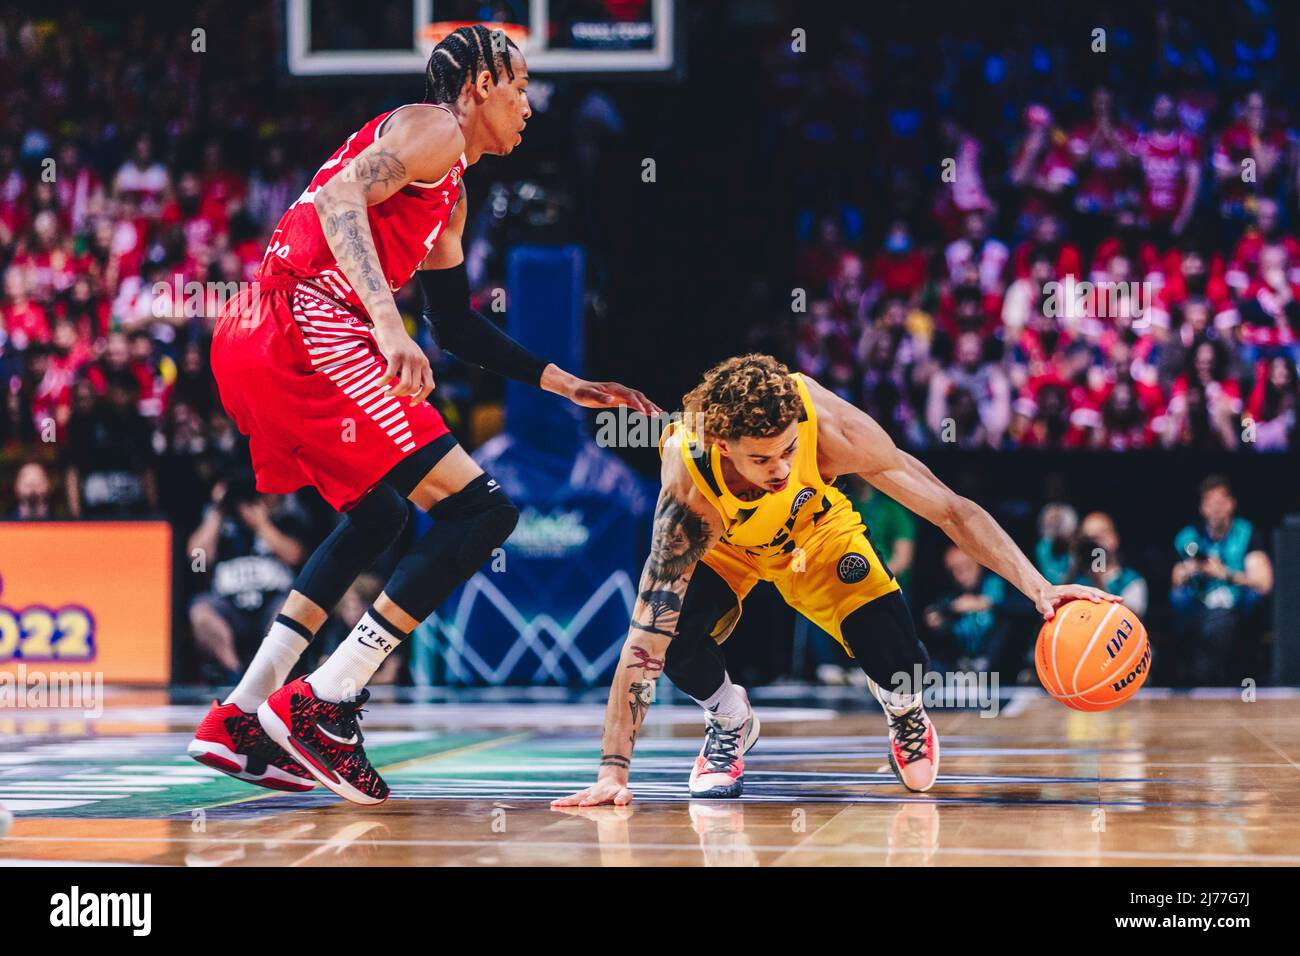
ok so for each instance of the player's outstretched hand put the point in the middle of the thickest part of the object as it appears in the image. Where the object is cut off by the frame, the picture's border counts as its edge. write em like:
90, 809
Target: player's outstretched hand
1048, 601
602, 793
611, 395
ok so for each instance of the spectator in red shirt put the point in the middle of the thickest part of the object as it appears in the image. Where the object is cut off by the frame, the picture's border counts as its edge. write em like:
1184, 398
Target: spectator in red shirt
1024, 297
22, 321
1171, 171
989, 255
1270, 306
961, 194
1044, 420
1047, 239
87, 311
970, 378
1211, 376
45, 255
1248, 159
1130, 239
899, 269
1266, 231
964, 308
1102, 151
80, 190
1124, 425
143, 179
1275, 404
67, 357
222, 186
1041, 166
1192, 279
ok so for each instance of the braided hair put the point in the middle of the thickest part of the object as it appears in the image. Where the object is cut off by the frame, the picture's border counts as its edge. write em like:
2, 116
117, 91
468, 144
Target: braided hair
460, 56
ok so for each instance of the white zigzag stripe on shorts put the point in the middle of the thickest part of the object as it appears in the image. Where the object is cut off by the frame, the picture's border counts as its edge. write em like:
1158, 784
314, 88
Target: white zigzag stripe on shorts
340, 350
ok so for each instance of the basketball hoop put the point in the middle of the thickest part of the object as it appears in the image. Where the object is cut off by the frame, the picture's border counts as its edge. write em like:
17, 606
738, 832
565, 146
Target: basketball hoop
429, 37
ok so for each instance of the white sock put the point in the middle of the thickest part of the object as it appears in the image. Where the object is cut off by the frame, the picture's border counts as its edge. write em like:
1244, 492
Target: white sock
362, 653
279, 651
897, 703
728, 702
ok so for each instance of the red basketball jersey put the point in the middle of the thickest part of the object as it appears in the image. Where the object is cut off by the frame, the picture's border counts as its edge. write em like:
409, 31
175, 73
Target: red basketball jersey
405, 225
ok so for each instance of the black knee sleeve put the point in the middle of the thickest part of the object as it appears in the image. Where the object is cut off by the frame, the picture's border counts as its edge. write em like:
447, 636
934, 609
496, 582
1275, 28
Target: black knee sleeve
883, 640
467, 527
484, 516
694, 661
356, 542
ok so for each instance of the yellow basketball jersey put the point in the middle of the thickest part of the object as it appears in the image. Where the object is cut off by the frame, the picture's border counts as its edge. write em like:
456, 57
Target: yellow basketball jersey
774, 527
806, 539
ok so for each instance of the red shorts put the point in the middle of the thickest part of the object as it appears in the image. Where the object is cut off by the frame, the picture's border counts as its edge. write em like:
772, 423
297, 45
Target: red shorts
302, 377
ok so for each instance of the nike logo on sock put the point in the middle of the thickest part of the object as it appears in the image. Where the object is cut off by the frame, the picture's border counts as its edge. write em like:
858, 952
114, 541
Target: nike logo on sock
373, 639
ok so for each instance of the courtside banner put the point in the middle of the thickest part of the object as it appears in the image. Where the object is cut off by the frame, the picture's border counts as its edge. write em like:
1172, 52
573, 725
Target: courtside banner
86, 596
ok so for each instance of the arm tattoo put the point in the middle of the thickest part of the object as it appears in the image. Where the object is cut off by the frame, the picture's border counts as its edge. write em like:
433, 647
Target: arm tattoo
640, 694
615, 760
681, 538
665, 607
378, 169
356, 254
649, 665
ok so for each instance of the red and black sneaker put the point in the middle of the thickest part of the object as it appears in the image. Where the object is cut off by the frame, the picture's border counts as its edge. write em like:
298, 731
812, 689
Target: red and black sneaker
233, 742
325, 738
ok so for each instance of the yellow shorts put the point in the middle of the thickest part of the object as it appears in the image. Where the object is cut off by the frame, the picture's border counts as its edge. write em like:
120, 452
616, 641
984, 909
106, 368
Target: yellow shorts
837, 573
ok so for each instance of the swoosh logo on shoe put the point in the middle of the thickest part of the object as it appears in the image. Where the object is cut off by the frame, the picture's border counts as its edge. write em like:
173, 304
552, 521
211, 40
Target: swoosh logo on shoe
307, 753
345, 741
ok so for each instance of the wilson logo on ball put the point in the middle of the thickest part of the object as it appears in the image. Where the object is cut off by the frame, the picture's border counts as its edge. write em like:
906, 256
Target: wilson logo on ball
1135, 673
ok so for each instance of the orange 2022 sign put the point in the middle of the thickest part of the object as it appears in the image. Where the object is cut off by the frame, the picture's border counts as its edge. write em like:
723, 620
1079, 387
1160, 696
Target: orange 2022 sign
87, 596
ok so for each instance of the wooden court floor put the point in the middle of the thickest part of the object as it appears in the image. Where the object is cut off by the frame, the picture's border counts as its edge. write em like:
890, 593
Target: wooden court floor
1163, 781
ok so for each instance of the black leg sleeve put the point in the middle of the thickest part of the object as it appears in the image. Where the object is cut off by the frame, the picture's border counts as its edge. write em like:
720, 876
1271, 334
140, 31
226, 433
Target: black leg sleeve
694, 662
356, 542
883, 640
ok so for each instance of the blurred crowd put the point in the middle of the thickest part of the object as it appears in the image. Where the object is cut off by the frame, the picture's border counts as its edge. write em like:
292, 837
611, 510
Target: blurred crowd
940, 287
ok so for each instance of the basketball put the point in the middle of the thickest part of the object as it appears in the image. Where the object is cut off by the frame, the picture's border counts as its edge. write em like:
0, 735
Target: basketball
1093, 656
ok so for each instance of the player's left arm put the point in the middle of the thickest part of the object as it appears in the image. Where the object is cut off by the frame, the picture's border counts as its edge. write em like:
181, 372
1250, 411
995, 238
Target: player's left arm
848, 440
473, 337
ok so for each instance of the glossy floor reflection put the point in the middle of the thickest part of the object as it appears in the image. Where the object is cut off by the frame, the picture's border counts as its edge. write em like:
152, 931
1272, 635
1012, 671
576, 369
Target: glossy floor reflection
1162, 781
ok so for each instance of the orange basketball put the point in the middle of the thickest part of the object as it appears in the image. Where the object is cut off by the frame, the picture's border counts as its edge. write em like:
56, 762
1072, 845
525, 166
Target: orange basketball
1092, 656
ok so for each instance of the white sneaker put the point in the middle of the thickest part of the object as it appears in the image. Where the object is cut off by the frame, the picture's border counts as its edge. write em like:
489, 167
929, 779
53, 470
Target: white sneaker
913, 748
719, 771
913, 744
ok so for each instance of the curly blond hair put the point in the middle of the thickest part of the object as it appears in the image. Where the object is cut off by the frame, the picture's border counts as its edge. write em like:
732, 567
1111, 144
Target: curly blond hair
750, 396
